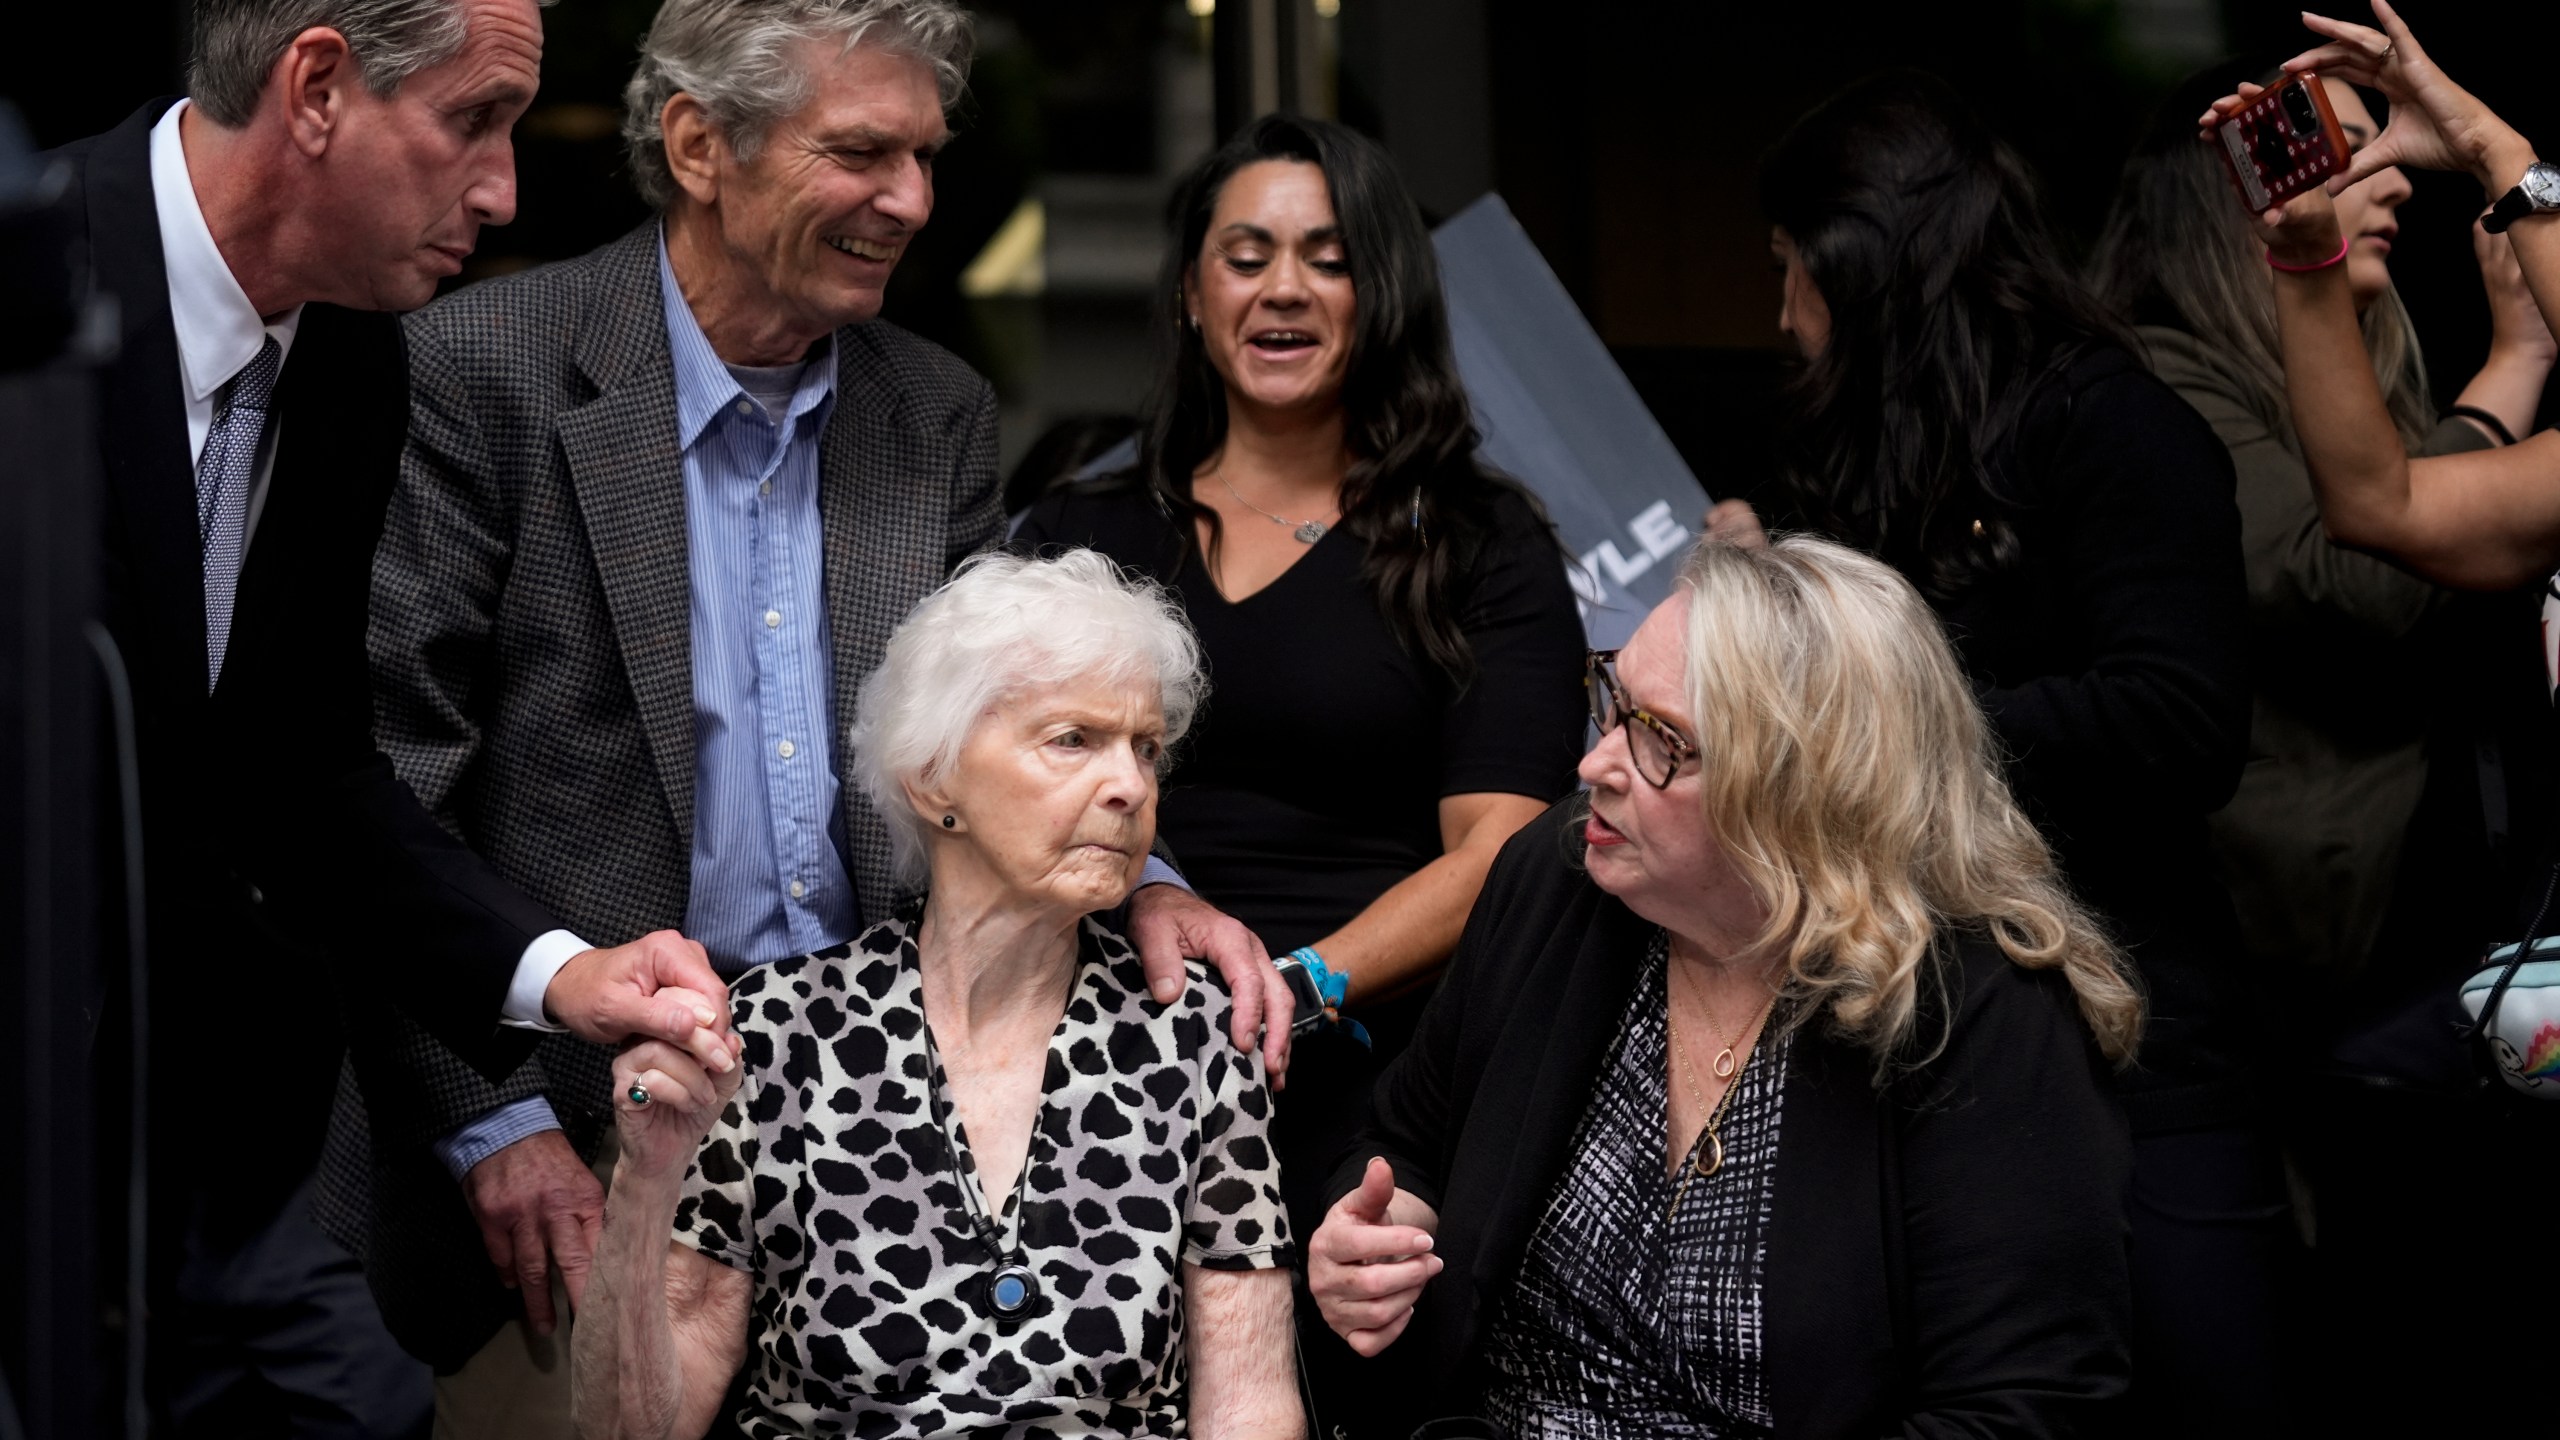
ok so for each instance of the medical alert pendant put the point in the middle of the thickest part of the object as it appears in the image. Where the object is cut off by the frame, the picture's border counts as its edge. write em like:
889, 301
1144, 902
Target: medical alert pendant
1012, 1291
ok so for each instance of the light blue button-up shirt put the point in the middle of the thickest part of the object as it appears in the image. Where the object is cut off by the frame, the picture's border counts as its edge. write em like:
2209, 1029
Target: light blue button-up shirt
768, 872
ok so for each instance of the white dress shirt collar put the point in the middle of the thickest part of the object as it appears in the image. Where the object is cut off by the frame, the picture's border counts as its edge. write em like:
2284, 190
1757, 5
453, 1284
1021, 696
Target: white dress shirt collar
219, 332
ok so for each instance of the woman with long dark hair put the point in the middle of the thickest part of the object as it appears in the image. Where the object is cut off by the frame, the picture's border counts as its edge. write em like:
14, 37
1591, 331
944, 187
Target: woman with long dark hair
1394, 651
1969, 415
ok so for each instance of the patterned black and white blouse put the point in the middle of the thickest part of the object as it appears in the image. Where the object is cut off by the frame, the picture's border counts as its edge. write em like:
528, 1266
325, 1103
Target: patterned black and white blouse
1623, 1323
828, 1181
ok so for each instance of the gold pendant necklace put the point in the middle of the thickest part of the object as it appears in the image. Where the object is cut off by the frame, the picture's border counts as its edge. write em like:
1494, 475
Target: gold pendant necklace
1725, 1063
1706, 1157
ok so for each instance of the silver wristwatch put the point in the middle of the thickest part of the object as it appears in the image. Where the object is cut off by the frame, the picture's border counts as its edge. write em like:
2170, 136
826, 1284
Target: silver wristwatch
2537, 192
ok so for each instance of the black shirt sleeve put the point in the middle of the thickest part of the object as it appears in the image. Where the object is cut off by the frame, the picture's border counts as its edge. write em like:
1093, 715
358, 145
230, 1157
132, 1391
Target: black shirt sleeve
1111, 514
1517, 727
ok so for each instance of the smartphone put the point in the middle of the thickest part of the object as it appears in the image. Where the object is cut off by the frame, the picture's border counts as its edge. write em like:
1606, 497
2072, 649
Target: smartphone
2285, 143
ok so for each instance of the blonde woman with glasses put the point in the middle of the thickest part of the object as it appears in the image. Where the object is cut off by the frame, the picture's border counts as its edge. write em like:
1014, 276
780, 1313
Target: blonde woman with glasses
1769, 1096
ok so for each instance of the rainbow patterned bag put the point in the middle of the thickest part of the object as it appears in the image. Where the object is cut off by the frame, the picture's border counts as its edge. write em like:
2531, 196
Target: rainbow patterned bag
2514, 1006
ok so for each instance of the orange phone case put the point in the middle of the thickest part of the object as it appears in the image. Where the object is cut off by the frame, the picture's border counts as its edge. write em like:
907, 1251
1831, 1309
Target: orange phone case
2270, 160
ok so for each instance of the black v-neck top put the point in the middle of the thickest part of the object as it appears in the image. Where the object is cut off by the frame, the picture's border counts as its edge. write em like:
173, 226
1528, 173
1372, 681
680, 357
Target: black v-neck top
1312, 780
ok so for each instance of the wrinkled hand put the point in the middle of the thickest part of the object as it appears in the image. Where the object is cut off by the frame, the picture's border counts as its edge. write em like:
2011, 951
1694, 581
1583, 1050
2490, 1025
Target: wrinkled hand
1168, 923
2515, 321
685, 1101
2435, 124
539, 1208
1370, 1259
660, 985
1734, 522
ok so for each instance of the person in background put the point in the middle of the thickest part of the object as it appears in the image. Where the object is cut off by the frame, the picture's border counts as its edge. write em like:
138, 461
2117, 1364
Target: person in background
1968, 414
660, 508
2346, 650
1032, 1198
1768, 1093
1388, 623
2403, 1237
333, 160
2485, 520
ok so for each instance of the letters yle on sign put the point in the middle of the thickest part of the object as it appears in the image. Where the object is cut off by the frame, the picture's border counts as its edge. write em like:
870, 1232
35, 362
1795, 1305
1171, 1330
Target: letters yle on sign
1559, 416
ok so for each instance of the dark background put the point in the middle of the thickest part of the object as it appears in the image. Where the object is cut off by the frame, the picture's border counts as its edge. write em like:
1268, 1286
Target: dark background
1627, 138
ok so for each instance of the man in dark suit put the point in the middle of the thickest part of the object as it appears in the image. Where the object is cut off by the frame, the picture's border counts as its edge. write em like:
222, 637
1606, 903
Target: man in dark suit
661, 508
251, 424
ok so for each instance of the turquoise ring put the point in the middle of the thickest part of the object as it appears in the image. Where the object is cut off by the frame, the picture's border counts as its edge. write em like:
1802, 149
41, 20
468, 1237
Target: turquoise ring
638, 1092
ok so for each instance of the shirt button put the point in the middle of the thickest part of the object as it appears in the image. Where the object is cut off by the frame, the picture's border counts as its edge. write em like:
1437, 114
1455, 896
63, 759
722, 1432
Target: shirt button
798, 889
772, 618
765, 489
786, 749
746, 407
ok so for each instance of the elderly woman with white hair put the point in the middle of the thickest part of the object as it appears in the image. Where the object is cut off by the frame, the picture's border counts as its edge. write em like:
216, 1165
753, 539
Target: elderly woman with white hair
1767, 1094
970, 1177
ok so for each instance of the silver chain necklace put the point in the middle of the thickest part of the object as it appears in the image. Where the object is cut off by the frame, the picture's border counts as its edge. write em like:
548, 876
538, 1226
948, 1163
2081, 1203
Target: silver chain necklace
1308, 531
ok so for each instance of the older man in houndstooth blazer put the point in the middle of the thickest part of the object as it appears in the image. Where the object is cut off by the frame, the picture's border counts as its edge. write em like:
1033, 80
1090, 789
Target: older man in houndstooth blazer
654, 527
534, 682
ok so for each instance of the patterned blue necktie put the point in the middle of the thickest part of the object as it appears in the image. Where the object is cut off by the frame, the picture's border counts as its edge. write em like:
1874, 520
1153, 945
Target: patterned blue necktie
224, 477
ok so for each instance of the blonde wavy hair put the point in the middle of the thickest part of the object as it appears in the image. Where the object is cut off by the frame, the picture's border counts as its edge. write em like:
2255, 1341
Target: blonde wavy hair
1850, 775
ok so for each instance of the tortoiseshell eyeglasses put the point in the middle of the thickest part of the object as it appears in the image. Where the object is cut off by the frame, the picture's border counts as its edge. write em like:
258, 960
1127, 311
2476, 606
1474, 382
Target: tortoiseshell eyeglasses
1659, 751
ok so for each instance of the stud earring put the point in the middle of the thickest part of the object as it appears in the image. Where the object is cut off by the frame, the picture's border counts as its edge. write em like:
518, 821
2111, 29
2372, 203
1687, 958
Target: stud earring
950, 822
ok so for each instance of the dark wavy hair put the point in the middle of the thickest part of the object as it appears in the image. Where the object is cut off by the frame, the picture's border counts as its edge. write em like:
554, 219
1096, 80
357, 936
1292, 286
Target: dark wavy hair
1950, 301
1416, 496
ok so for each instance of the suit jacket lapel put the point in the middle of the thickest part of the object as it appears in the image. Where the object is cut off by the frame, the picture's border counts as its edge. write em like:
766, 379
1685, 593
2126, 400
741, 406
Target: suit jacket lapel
145, 450
628, 470
882, 500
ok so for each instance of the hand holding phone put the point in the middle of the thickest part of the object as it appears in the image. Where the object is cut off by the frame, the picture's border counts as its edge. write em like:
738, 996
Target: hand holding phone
2283, 142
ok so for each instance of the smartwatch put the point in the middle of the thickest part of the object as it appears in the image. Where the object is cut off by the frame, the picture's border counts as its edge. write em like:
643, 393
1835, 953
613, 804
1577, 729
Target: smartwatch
1319, 992
1302, 988
2538, 192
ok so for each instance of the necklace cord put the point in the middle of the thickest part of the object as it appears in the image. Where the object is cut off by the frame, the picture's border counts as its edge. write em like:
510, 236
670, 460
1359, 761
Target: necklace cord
1267, 515
988, 1233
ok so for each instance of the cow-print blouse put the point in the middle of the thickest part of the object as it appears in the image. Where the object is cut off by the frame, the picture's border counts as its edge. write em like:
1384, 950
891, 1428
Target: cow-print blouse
828, 1181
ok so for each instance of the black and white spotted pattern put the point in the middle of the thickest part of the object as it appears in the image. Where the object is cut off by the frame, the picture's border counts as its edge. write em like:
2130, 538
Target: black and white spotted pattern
1625, 1325
828, 1182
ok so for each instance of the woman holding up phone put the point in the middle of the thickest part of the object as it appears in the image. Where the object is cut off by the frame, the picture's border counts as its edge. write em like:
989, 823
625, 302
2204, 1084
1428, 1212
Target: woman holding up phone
1968, 414
2487, 520
2355, 850
2349, 652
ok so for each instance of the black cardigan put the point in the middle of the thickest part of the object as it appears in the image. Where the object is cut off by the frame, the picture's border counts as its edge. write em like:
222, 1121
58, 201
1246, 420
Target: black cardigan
1947, 1257
2112, 660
